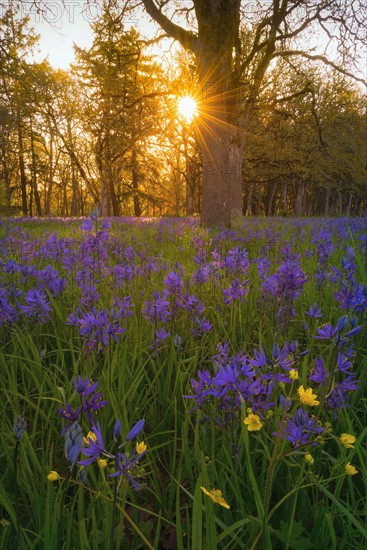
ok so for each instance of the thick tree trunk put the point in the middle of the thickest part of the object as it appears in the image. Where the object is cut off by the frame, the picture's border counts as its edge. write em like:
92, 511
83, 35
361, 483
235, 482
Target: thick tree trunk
219, 119
299, 207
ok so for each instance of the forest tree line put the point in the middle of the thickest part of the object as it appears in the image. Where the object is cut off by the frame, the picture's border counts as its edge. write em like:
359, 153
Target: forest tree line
107, 132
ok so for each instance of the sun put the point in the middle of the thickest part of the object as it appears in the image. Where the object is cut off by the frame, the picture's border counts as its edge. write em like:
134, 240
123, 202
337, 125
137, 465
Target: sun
187, 108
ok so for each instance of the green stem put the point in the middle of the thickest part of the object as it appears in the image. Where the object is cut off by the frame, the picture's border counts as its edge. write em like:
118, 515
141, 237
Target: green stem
114, 506
59, 520
15, 462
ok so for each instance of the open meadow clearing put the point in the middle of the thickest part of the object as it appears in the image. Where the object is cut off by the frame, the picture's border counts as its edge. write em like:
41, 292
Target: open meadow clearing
167, 386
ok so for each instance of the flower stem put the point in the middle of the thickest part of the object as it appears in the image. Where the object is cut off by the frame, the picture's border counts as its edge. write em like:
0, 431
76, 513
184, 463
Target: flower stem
15, 463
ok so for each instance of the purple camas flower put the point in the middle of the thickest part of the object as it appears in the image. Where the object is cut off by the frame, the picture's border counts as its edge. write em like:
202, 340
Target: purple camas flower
95, 446
319, 374
237, 291
201, 275
50, 280
173, 283
84, 387
300, 428
125, 466
314, 312
69, 415
158, 310
73, 442
37, 306
8, 313
203, 326
90, 402
135, 430
19, 427
97, 327
236, 261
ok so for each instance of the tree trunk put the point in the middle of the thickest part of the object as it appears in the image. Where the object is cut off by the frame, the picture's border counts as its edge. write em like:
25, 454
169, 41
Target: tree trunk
285, 199
23, 178
48, 192
327, 202
190, 186
34, 178
299, 203
6, 181
340, 203
221, 150
135, 181
74, 187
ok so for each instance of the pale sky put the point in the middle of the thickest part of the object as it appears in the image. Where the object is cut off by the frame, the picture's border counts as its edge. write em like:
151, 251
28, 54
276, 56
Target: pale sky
63, 25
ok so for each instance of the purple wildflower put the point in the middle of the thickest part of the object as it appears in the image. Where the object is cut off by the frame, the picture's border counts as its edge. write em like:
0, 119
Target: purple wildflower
73, 442
301, 428
37, 306
94, 448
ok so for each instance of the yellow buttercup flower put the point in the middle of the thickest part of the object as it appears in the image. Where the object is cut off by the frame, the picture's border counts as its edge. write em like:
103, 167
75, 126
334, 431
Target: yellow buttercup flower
140, 447
102, 463
309, 458
92, 436
307, 397
350, 470
253, 422
216, 496
347, 440
53, 476
293, 374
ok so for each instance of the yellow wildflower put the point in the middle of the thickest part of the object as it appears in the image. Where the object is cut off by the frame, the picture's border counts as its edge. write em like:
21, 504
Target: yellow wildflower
102, 463
140, 447
350, 470
253, 422
216, 496
309, 458
307, 397
53, 476
347, 440
293, 374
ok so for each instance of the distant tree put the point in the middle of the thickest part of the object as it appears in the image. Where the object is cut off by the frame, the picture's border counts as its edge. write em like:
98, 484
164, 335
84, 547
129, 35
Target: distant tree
120, 91
16, 43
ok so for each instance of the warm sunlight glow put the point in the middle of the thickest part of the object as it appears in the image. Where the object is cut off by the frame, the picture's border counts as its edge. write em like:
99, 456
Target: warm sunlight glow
187, 108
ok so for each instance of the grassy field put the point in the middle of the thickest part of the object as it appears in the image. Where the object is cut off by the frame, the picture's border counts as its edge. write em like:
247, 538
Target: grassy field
165, 386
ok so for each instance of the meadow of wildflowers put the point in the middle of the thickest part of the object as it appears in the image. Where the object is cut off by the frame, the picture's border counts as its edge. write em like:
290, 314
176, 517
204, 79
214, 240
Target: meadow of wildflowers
167, 386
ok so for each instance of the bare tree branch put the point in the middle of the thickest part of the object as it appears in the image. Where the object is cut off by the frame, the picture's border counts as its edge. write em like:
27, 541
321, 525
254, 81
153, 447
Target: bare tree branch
186, 38
323, 59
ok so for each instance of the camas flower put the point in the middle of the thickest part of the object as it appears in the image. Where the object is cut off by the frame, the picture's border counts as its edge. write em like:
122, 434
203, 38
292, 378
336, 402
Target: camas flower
300, 428
37, 306
19, 427
95, 447
216, 496
307, 397
73, 442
